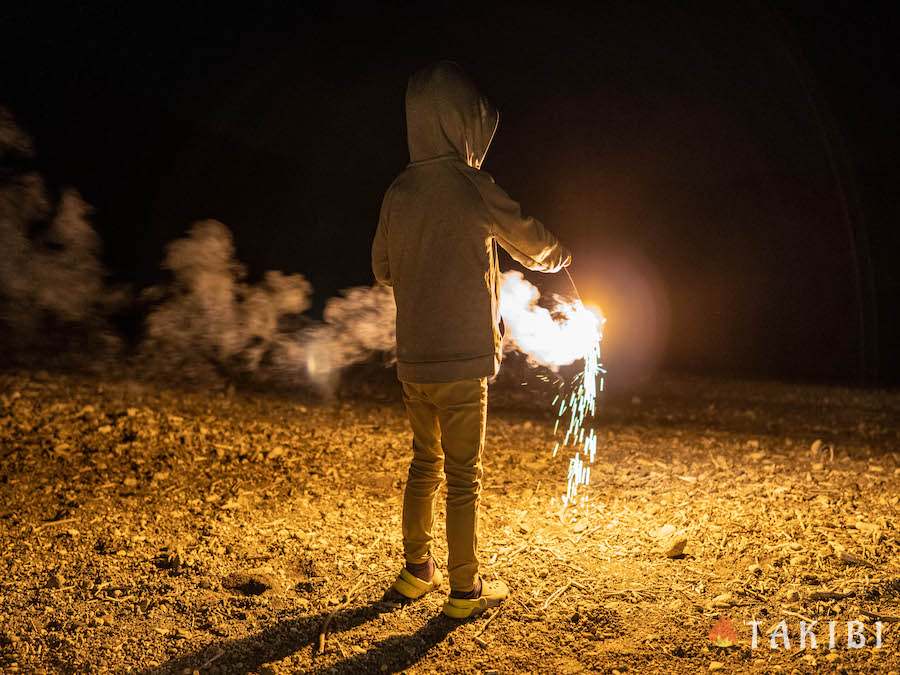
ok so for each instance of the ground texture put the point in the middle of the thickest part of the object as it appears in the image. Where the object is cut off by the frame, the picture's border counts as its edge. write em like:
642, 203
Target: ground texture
151, 529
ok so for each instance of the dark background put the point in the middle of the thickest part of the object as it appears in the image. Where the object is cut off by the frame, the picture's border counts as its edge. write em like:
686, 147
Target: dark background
724, 173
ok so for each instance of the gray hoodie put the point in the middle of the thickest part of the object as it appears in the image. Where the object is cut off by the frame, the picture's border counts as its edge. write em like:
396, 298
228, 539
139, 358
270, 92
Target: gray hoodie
437, 233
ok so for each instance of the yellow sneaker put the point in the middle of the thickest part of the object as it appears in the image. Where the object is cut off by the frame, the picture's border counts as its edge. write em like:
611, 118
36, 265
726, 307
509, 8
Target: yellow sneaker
492, 594
411, 587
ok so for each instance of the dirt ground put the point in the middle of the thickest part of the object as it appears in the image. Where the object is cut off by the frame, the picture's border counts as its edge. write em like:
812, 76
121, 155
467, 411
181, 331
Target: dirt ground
152, 529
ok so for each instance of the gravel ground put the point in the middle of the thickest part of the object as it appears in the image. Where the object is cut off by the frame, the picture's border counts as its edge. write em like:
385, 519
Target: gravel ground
153, 529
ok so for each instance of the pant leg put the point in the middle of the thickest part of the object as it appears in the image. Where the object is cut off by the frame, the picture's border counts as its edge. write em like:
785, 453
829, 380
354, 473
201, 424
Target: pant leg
424, 477
462, 413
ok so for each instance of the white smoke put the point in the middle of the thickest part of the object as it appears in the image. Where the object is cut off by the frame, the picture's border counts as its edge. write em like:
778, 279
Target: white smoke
552, 337
50, 270
211, 316
63, 271
356, 324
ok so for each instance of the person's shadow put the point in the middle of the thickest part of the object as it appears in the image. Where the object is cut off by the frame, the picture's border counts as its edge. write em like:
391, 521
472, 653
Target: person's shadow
280, 640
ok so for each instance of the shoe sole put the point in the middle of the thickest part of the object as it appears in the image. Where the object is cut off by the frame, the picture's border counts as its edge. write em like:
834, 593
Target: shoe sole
455, 612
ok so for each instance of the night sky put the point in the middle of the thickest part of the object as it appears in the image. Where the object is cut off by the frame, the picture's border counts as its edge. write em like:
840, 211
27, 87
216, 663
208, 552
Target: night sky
724, 175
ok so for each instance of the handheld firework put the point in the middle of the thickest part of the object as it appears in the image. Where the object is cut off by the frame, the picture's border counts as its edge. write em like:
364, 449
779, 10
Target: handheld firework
577, 407
569, 333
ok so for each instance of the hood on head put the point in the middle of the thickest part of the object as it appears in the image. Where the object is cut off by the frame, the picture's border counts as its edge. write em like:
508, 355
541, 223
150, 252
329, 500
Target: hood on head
445, 114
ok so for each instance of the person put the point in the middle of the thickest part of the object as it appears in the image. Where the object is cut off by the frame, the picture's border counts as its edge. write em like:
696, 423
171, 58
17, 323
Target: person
436, 245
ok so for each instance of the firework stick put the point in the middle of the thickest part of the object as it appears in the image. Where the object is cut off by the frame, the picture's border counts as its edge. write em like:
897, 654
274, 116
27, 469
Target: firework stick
572, 281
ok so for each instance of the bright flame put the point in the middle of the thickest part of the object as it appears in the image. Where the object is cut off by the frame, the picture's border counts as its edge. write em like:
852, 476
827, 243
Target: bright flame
567, 333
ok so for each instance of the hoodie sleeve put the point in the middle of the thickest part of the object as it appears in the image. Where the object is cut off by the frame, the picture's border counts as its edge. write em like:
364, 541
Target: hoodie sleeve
523, 237
380, 264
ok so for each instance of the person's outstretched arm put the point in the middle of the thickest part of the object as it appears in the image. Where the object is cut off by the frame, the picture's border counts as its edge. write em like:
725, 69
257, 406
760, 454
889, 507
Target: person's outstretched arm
523, 237
380, 265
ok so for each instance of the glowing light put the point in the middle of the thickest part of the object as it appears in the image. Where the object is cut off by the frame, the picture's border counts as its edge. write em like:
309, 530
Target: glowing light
554, 337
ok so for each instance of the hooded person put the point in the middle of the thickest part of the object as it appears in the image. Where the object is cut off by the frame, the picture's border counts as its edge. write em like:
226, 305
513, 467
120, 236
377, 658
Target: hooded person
436, 245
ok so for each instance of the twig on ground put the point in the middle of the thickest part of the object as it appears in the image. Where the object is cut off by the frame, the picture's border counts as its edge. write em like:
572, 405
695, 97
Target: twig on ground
488, 622
828, 595
112, 598
50, 523
796, 614
524, 606
553, 596
702, 573
851, 559
588, 533
721, 545
752, 594
516, 551
574, 568
215, 657
323, 633
876, 616
687, 597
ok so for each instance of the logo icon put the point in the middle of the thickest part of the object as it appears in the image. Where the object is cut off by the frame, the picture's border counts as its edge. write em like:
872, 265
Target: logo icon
723, 633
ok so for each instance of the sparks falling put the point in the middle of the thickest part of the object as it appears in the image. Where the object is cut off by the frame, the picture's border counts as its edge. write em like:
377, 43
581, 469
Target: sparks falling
576, 408
560, 336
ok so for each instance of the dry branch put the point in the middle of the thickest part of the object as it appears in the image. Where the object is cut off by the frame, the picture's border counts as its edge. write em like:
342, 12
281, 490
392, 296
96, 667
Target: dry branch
876, 616
487, 623
215, 657
51, 523
323, 633
553, 596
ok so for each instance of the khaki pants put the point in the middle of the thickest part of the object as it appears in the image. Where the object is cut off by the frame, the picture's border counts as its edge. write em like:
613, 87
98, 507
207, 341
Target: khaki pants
448, 422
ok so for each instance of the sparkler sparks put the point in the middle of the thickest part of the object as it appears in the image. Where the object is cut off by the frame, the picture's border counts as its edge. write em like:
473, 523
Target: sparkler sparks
577, 409
556, 337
